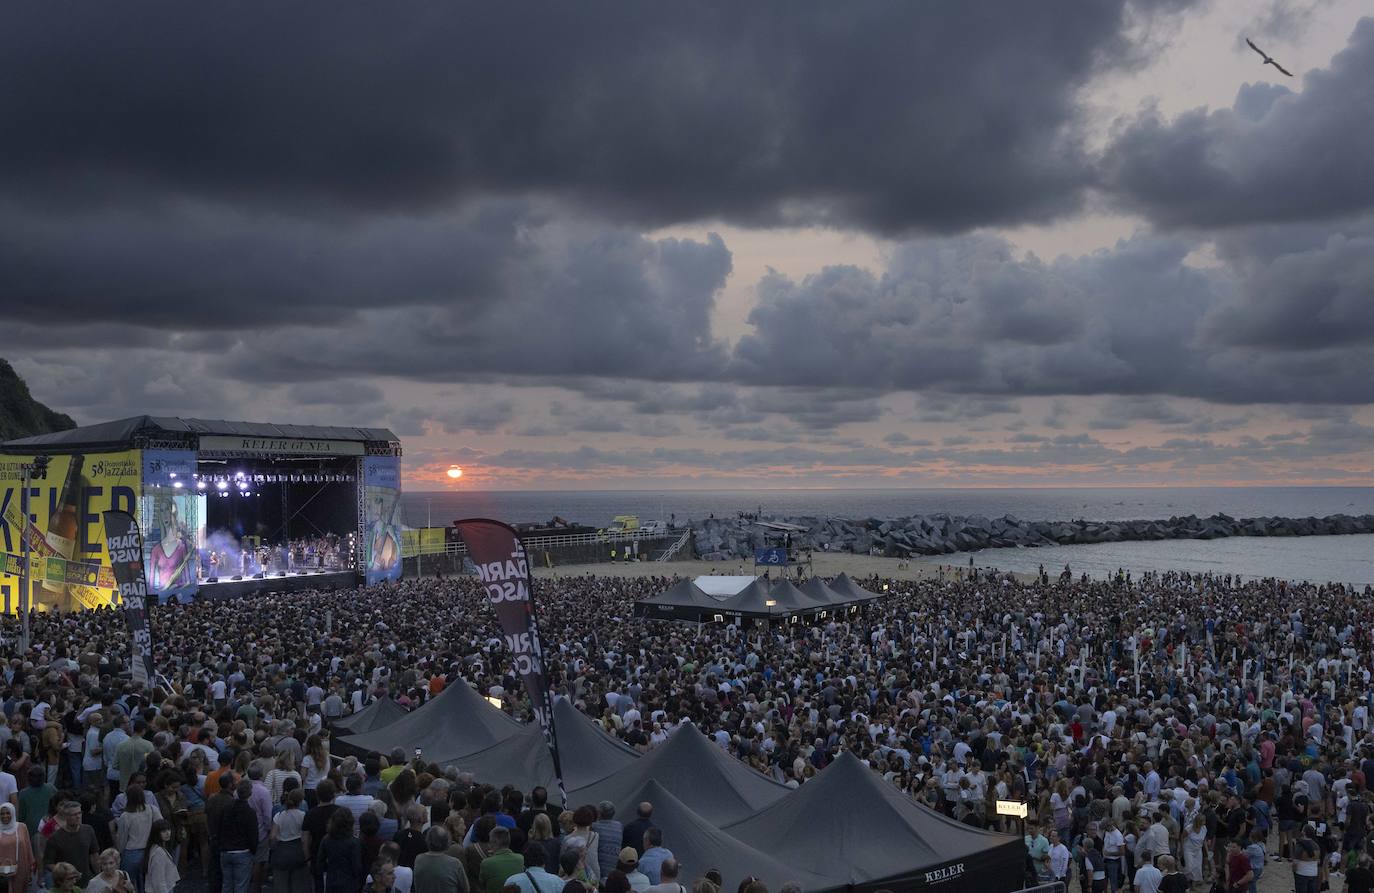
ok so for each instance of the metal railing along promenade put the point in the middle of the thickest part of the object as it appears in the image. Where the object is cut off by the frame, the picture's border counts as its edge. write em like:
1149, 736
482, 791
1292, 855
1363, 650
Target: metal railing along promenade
552, 542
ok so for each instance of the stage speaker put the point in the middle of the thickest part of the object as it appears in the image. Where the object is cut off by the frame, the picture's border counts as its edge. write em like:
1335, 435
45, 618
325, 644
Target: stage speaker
212, 580
281, 573
237, 577
258, 575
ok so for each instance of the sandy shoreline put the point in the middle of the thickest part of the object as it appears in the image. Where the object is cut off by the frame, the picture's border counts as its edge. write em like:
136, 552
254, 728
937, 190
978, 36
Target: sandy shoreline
823, 564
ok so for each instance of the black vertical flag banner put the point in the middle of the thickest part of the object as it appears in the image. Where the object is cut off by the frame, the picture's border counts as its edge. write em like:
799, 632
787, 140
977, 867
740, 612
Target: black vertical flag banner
125, 545
504, 569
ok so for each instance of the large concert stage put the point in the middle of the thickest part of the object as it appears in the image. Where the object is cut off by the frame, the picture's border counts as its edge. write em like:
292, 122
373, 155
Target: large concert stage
282, 582
225, 508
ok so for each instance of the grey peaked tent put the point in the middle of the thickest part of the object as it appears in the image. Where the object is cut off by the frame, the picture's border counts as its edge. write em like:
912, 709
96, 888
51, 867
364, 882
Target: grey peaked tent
818, 591
760, 600
707, 780
380, 713
588, 755
684, 601
788, 599
846, 830
751, 601
851, 591
698, 844
848, 816
456, 723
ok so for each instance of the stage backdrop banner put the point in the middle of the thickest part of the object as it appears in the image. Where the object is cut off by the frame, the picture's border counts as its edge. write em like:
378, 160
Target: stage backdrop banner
66, 536
381, 518
502, 566
169, 517
125, 545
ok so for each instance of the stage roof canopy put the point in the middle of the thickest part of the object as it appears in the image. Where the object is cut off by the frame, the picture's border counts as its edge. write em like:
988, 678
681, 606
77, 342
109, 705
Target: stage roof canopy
124, 432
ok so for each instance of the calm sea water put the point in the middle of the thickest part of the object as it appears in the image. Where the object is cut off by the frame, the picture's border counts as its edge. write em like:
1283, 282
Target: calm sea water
1337, 559
598, 507
1346, 559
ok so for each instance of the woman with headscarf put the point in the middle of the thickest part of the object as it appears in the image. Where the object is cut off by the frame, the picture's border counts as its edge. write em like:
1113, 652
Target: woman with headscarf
16, 850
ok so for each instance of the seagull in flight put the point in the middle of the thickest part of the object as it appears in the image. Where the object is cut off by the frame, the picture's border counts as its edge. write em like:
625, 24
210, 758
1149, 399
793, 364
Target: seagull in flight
1268, 60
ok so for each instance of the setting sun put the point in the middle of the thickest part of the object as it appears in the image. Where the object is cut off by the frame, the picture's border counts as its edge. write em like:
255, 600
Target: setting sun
454, 472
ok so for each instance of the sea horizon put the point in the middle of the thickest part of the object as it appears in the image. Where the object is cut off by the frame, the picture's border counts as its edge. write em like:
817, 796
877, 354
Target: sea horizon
598, 507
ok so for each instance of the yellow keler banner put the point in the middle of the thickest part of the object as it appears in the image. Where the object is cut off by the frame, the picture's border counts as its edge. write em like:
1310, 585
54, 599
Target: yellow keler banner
69, 566
423, 541
55, 570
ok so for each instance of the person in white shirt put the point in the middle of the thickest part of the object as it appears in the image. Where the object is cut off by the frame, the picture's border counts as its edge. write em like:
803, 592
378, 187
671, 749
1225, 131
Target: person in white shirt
1147, 877
93, 760
355, 801
1114, 851
1059, 858
1155, 835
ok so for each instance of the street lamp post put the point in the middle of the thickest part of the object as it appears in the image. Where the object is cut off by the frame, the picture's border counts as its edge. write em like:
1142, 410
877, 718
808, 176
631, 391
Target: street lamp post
24, 561
420, 540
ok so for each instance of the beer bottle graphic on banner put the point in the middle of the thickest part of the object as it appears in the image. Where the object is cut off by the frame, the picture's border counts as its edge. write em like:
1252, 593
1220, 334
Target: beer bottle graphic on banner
63, 532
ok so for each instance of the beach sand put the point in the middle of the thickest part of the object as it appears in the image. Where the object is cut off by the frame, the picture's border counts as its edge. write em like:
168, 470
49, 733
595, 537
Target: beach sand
823, 564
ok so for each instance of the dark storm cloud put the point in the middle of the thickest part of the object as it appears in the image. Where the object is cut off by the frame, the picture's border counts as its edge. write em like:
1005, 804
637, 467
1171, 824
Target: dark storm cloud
1273, 156
585, 300
1274, 323
898, 438
1316, 289
212, 267
335, 393
1127, 411
961, 408
476, 413
99, 385
889, 116
1321, 450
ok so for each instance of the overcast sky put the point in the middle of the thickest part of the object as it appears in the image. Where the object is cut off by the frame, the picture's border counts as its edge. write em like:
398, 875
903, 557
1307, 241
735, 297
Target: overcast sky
777, 244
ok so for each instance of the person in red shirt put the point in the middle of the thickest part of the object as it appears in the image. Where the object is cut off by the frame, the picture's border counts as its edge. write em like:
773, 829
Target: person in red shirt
1238, 871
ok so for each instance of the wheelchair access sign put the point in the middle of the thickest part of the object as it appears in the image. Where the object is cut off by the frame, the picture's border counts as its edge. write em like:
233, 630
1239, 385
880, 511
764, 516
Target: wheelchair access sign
772, 557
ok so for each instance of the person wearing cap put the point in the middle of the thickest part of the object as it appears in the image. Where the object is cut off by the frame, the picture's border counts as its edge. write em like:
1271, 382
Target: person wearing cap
628, 865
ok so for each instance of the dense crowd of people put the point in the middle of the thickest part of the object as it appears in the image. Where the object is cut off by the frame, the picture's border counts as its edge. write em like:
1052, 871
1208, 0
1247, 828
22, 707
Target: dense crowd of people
1167, 732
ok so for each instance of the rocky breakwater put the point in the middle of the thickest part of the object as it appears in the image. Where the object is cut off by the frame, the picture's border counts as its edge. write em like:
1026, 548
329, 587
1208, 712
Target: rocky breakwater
723, 539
